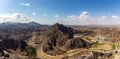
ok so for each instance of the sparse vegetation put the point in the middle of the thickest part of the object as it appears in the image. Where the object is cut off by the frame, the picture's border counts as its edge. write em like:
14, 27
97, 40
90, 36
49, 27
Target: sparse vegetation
31, 52
95, 44
113, 46
61, 42
87, 38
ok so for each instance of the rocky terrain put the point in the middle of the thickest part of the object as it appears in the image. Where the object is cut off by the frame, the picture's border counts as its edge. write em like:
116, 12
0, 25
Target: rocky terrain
59, 36
13, 36
33, 40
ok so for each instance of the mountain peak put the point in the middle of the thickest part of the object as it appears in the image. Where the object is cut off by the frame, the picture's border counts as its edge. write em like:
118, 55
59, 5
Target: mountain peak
63, 29
33, 23
58, 26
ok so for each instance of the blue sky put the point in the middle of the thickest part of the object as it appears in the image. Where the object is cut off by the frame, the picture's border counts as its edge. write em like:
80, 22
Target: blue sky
51, 11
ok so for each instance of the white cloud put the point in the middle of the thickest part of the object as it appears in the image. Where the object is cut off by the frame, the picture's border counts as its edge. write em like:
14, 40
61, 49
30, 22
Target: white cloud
104, 17
15, 17
56, 16
115, 17
84, 15
72, 16
82, 19
33, 13
25, 4
86, 19
58, 19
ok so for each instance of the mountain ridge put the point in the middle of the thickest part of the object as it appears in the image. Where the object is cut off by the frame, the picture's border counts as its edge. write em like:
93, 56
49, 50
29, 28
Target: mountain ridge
59, 35
15, 26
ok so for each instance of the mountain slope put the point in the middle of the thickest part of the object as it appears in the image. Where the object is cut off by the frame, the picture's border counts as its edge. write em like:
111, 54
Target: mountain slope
59, 35
20, 31
12, 27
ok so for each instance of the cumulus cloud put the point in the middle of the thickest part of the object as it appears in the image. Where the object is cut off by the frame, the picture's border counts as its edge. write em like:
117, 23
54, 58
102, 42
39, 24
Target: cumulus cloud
84, 15
115, 17
33, 13
56, 16
86, 19
82, 19
15, 17
25, 4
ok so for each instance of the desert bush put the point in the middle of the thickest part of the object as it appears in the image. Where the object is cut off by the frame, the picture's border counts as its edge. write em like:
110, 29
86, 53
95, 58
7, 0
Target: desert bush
95, 44
31, 52
113, 46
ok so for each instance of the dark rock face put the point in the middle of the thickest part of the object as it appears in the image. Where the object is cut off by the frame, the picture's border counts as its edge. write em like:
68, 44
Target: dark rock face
57, 35
1, 52
100, 55
22, 45
60, 36
66, 30
97, 54
76, 43
13, 44
20, 31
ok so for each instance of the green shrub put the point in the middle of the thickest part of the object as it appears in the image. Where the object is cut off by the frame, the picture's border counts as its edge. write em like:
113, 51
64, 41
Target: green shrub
95, 44
87, 38
31, 52
113, 46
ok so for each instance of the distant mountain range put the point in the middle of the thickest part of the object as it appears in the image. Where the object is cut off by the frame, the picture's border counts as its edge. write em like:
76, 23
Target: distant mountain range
16, 27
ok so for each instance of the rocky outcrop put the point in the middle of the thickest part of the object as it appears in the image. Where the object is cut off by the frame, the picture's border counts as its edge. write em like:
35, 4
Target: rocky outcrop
13, 44
60, 36
57, 35
76, 43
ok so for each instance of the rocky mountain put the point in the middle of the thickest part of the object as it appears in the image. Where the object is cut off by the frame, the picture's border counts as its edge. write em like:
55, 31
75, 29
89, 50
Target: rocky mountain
13, 44
53, 42
21, 27
59, 35
19, 31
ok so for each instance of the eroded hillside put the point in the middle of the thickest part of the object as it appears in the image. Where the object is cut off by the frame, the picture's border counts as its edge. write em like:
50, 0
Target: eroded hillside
59, 41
